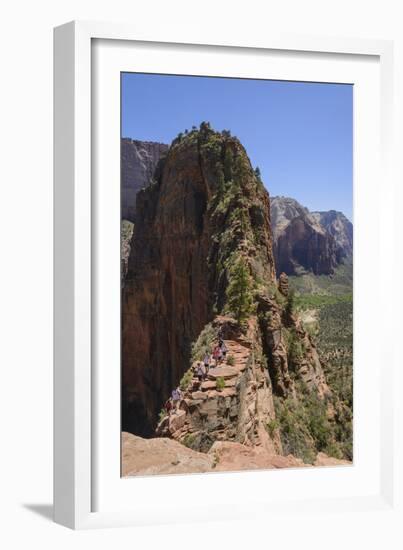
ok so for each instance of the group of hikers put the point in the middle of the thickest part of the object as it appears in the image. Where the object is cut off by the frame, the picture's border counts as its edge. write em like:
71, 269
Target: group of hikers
217, 356
201, 370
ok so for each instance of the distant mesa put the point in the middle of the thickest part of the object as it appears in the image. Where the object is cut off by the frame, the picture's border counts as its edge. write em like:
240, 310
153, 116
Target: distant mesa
305, 241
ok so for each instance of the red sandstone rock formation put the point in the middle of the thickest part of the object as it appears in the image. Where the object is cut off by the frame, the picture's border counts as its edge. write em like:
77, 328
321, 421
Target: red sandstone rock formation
176, 274
207, 210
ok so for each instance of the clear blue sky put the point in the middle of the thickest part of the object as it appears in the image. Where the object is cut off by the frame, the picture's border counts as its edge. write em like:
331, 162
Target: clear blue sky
299, 134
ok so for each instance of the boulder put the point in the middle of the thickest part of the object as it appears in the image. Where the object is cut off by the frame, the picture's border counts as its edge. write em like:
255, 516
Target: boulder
177, 420
222, 372
160, 456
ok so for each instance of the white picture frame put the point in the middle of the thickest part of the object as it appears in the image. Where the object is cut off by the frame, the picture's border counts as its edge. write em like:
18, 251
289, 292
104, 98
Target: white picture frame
83, 495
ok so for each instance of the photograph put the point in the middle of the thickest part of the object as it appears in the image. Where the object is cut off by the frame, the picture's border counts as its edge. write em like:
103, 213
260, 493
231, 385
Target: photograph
236, 274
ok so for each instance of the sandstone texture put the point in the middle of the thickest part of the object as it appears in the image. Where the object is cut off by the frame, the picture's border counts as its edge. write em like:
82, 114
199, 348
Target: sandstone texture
162, 456
323, 459
230, 456
237, 411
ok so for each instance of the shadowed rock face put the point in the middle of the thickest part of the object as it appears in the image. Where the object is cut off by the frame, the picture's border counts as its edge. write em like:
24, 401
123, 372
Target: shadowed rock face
187, 225
138, 162
300, 241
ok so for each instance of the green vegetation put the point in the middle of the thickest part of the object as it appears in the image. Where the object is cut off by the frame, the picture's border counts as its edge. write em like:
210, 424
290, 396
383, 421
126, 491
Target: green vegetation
204, 343
275, 294
326, 306
239, 291
295, 347
186, 380
231, 360
304, 426
228, 164
265, 317
260, 358
272, 426
290, 303
335, 337
216, 459
162, 414
309, 301
189, 440
335, 345
220, 383
341, 282
332, 333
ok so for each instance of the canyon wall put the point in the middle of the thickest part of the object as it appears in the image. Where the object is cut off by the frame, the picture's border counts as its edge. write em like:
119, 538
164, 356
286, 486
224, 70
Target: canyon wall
201, 268
138, 162
188, 223
305, 241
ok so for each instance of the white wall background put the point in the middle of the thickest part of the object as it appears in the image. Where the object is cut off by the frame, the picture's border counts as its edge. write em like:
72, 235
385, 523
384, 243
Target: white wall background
26, 253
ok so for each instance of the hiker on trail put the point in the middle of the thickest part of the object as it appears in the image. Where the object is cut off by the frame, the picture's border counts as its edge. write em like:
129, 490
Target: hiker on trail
200, 372
217, 355
223, 348
176, 397
168, 406
206, 361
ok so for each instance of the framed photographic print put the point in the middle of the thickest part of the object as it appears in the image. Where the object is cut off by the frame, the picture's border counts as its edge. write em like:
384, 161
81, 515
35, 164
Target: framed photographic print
218, 235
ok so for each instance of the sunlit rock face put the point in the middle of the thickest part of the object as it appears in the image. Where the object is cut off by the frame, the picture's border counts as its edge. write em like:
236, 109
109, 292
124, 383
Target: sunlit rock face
341, 229
300, 242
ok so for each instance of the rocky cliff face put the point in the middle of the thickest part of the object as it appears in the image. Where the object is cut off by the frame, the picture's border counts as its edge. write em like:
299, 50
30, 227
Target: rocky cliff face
188, 224
126, 233
234, 403
201, 267
301, 243
138, 162
341, 229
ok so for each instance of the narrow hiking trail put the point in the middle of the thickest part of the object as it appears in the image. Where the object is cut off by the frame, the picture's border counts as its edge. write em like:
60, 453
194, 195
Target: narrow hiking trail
229, 372
232, 403
200, 393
